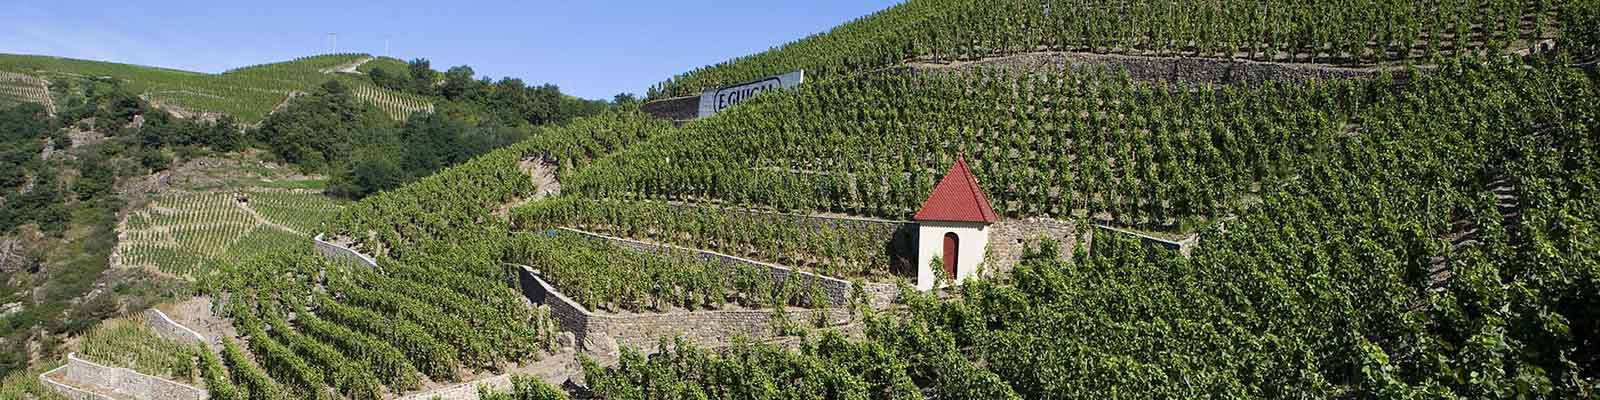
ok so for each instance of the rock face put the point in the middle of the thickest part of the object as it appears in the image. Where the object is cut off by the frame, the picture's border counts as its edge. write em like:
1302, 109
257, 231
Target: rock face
10, 255
600, 344
10, 308
566, 340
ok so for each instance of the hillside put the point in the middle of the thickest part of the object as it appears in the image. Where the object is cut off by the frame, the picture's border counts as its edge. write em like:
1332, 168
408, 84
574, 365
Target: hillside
113, 201
1351, 33
1359, 224
1422, 226
247, 93
1355, 234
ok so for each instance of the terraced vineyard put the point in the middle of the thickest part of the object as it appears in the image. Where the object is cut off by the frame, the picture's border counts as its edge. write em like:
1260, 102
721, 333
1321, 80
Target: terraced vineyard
389, 64
839, 249
16, 88
359, 334
1311, 292
439, 208
397, 105
1352, 32
1416, 233
247, 93
303, 212
603, 276
1058, 143
188, 233
130, 343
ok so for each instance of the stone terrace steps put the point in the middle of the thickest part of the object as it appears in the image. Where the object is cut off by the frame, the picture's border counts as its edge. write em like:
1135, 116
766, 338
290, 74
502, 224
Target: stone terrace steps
1464, 233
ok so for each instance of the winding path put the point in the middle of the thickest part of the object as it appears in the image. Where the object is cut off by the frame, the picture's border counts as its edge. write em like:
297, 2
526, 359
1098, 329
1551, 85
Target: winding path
350, 67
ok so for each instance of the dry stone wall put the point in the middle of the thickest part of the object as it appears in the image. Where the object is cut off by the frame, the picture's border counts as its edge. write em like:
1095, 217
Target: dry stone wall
675, 109
341, 253
705, 328
1183, 246
1009, 238
839, 290
1180, 70
169, 329
465, 390
900, 245
83, 380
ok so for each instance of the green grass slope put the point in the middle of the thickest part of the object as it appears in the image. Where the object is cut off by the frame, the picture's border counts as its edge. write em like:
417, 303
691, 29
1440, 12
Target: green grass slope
247, 93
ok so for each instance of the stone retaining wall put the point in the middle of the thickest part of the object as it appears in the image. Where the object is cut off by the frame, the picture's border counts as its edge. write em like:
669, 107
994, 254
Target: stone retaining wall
900, 246
1182, 70
1184, 246
464, 390
675, 109
1009, 238
341, 253
71, 392
839, 290
80, 379
644, 331
169, 329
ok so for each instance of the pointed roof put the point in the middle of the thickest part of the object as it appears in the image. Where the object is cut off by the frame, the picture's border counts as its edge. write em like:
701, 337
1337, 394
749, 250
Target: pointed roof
958, 198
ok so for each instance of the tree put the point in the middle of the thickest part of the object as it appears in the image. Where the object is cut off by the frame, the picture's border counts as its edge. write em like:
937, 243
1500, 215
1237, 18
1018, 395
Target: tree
321, 130
423, 77
624, 100
459, 83
97, 178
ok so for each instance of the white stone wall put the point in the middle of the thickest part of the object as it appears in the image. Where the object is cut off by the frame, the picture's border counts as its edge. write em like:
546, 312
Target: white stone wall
645, 330
337, 252
102, 382
168, 329
973, 239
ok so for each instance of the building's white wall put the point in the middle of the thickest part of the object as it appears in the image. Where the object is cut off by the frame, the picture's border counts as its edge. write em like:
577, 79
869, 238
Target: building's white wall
974, 239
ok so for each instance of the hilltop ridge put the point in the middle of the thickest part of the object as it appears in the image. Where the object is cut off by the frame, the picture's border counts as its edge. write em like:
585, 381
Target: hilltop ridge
248, 93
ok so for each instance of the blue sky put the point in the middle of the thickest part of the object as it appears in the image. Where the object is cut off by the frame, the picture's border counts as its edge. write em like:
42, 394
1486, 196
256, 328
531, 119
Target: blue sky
591, 49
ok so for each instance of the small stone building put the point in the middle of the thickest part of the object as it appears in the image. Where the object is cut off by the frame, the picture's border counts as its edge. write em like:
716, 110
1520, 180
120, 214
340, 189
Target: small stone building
953, 226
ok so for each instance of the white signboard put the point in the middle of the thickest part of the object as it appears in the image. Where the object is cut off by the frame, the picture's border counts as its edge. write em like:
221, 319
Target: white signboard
716, 100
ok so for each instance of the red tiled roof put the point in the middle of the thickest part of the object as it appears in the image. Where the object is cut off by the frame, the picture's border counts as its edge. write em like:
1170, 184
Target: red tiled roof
958, 198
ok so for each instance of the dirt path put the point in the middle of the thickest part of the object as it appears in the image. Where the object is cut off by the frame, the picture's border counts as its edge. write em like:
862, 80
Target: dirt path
197, 315
348, 68
554, 369
285, 103
260, 220
544, 185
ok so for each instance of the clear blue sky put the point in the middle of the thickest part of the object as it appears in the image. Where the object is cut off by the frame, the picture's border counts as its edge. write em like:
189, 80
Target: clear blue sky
591, 49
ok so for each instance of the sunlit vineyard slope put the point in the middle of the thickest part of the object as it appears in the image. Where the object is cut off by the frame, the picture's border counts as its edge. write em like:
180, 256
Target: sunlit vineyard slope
1356, 32
247, 93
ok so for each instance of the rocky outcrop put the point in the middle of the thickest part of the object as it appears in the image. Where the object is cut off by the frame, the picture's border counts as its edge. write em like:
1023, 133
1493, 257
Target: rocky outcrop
11, 258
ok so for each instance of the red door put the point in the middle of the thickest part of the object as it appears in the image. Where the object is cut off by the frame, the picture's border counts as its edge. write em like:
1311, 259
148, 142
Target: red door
952, 252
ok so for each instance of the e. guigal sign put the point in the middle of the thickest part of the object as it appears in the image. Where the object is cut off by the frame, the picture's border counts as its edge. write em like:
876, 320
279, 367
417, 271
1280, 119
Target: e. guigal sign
713, 101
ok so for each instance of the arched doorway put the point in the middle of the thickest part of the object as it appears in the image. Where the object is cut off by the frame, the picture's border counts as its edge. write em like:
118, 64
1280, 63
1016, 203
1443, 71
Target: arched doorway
952, 253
